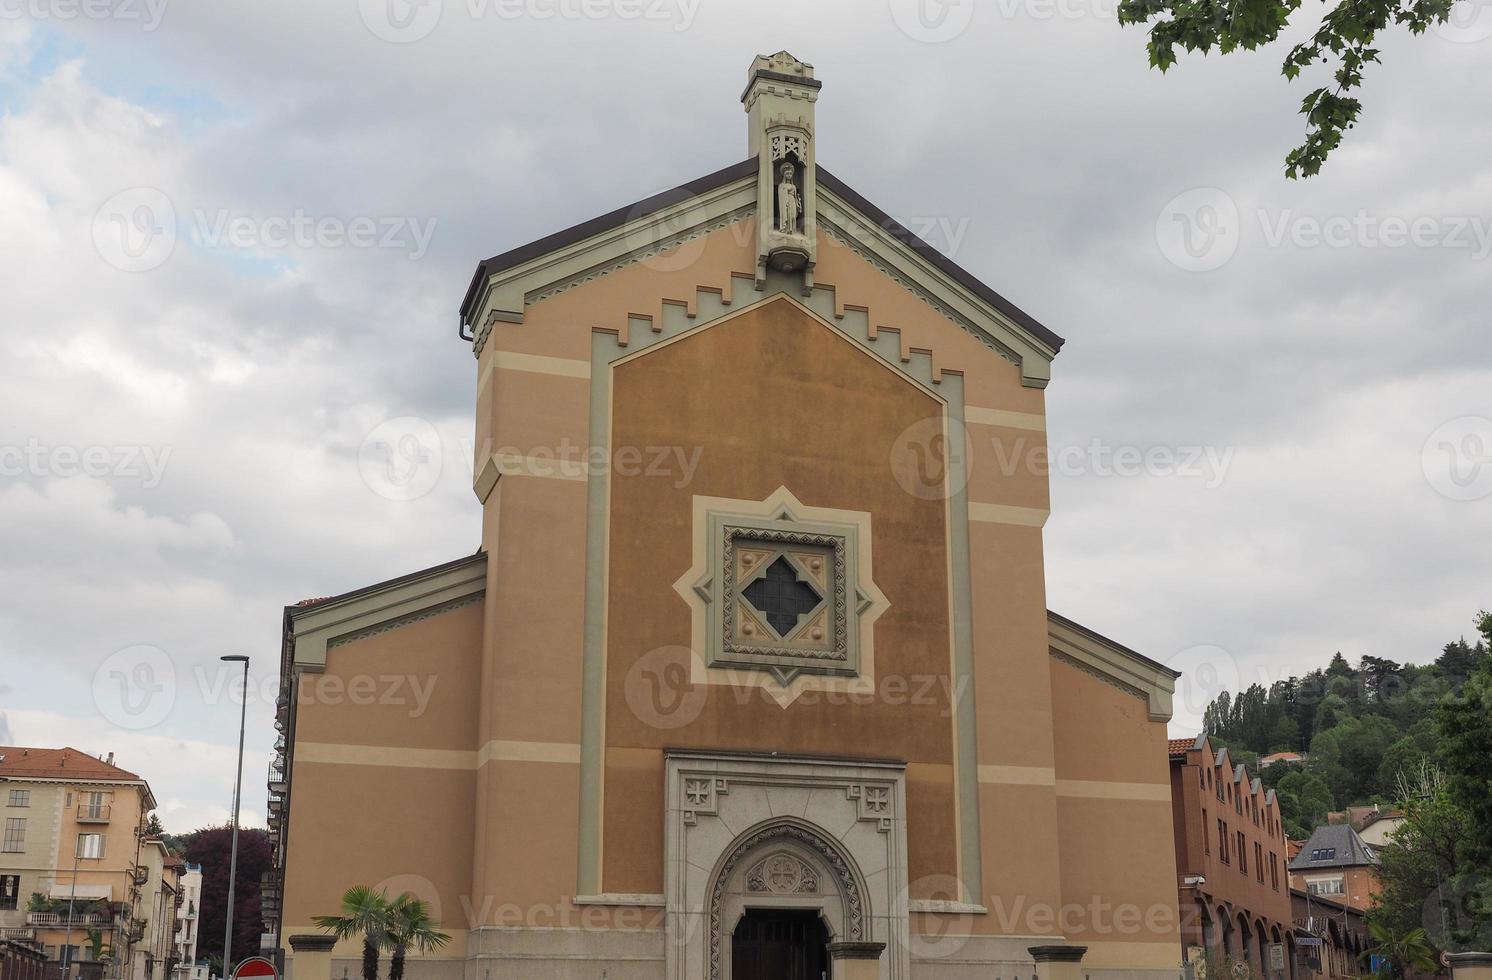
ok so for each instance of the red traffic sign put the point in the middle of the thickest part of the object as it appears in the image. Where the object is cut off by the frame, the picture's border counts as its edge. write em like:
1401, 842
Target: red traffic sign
255, 966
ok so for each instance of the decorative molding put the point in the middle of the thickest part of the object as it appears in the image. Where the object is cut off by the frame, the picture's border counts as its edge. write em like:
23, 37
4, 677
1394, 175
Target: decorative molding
1007, 514
626, 901
938, 907
806, 811
404, 621
314, 627
896, 275
855, 910
1057, 954
642, 255
1115, 665
782, 874
1099, 674
784, 671
855, 951
504, 295
313, 943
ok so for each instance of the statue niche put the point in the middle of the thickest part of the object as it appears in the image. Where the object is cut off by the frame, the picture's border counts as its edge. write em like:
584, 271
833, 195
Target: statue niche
789, 196
787, 246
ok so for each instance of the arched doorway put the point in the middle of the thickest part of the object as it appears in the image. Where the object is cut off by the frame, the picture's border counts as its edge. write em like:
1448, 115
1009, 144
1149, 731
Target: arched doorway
785, 891
779, 944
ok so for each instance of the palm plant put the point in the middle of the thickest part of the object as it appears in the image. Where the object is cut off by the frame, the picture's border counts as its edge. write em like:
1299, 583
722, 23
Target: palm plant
365, 912
410, 925
1405, 951
98, 946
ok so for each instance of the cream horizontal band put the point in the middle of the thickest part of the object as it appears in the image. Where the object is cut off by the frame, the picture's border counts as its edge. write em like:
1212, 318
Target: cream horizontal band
543, 467
1101, 790
565, 753
1010, 420
1004, 514
383, 755
1018, 775
629, 901
562, 367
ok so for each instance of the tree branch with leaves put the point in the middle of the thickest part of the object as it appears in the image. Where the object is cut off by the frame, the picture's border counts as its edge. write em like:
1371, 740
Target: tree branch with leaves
1346, 38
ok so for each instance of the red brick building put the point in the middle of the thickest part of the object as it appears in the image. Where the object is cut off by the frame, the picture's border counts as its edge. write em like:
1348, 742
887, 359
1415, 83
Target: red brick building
1234, 883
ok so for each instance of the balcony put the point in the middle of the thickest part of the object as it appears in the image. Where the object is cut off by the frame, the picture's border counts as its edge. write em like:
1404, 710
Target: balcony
277, 775
59, 920
25, 935
93, 813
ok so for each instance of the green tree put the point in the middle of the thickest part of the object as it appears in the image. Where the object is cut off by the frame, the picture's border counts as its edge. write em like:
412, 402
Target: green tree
1464, 721
409, 926
1304, 800
1421, 858
1362, 754
1332, 712
1328, 760
1345, 39
1459, 660
365, 912
1284, 736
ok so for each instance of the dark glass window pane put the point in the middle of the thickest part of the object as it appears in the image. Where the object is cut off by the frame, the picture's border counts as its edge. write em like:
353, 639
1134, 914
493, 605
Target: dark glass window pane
780, 597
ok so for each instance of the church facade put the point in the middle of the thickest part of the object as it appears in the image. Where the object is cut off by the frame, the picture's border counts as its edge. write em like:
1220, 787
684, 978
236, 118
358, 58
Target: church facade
753, 674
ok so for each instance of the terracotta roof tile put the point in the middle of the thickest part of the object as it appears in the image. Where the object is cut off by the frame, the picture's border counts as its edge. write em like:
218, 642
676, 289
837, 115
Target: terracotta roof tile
20, 762
1181, 746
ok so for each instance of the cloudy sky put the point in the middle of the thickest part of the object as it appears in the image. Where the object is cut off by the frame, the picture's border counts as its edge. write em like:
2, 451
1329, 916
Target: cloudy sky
235, 237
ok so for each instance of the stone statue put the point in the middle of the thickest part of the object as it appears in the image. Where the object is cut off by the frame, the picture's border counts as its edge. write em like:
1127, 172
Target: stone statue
789, 199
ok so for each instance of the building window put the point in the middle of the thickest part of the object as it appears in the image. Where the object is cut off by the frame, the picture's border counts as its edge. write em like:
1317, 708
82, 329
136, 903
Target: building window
90, 845
1259, 862
1243, 854
784, 595
1222, 841
1274, 870
10, 891
20, 797
15, 834
1323, 854
1206, 840
1326, 886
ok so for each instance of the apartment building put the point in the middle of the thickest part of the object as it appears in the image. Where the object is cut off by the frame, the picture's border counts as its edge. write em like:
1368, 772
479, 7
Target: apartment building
1234, 888
187, 914
70, 853
1337, 864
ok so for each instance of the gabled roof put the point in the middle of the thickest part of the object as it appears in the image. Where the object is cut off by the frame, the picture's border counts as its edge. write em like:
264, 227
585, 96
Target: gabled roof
1181, 746
594, 226
740, 171
1346, 849
21, 762
1114, 663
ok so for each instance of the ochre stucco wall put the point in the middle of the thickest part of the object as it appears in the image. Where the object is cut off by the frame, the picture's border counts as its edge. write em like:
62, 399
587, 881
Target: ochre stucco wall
772, 398
375, 816
1114, 824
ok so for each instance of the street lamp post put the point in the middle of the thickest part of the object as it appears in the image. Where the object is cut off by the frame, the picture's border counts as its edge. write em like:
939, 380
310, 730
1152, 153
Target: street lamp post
67, 946
237, 792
